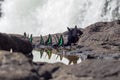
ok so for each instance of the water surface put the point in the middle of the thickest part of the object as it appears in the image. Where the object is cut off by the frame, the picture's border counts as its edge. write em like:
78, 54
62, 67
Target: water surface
50, 57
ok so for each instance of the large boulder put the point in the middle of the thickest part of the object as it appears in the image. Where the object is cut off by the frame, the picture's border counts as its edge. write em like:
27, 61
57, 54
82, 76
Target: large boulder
86, 70
17, 44
16, 66
97, 70
102, 37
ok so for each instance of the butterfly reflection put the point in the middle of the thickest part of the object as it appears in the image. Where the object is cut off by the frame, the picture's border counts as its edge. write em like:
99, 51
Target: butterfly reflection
71, 58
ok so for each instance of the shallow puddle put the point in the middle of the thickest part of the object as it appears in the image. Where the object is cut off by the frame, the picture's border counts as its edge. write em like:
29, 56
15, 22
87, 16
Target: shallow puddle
50, 57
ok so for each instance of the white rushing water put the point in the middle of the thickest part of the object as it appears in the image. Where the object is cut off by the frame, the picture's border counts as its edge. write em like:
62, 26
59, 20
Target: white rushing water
53, 16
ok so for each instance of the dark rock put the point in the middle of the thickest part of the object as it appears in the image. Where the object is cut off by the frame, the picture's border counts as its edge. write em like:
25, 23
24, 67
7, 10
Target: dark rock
23, 46
15, 43
73, 35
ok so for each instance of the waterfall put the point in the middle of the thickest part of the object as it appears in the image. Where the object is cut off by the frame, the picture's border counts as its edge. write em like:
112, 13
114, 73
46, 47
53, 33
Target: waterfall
53, 16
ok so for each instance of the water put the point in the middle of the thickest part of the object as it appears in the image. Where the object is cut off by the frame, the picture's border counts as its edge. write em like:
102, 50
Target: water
54, 58
53, 16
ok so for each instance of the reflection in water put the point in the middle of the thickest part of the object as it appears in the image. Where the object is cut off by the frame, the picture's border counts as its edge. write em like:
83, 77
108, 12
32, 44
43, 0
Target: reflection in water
73, 59
49, 53
41, 53
51, 56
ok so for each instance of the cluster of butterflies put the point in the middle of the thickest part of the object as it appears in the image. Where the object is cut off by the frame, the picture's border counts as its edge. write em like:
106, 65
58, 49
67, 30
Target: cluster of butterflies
72, 37
30, 38
60, 41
